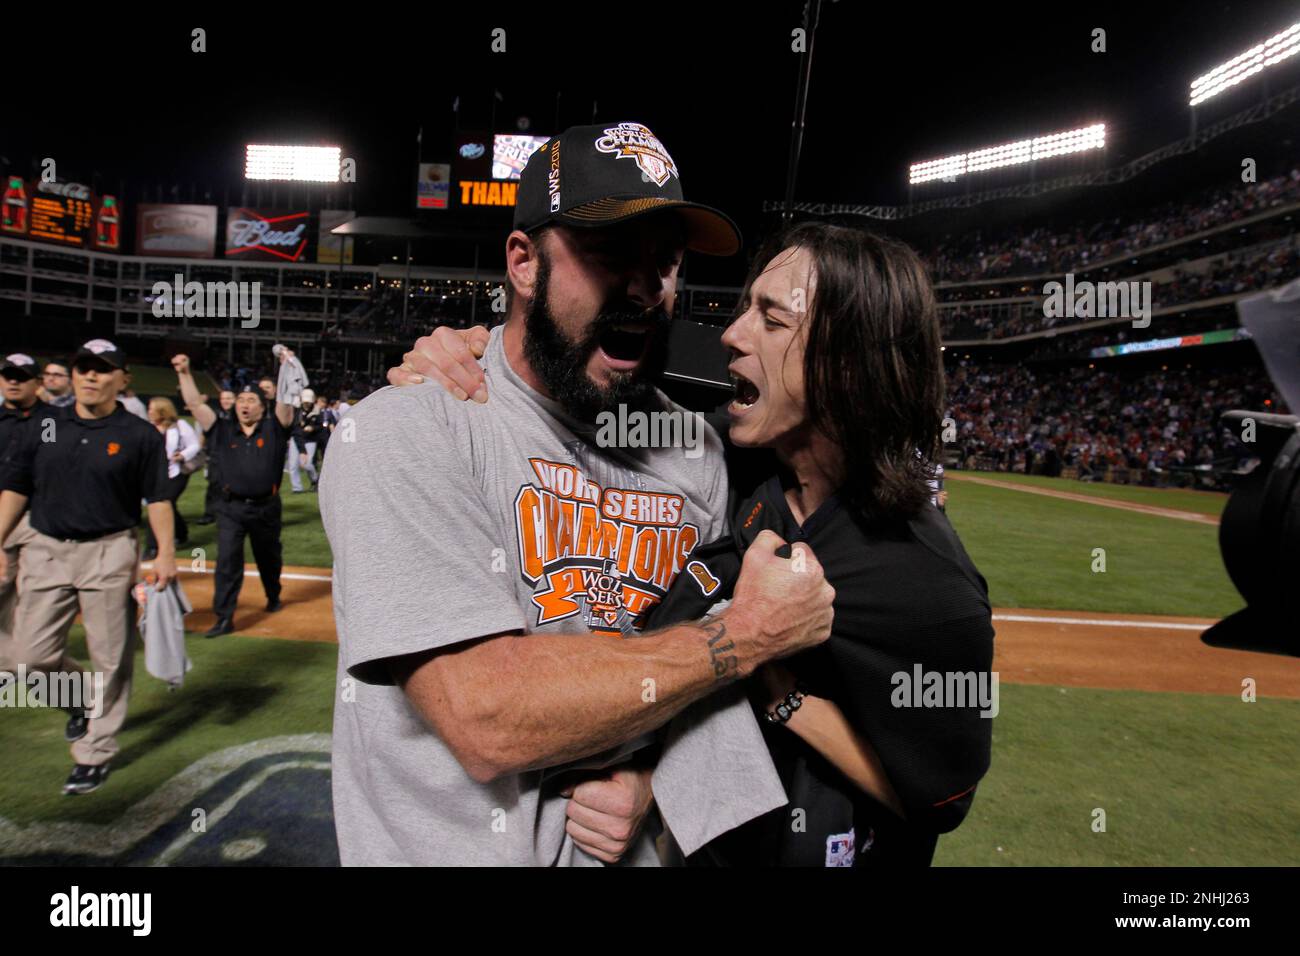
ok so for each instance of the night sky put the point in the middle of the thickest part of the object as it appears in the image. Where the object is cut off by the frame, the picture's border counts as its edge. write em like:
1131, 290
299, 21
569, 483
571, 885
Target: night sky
123, 99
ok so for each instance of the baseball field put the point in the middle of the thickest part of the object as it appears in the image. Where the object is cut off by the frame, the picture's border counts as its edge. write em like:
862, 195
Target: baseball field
1121, 738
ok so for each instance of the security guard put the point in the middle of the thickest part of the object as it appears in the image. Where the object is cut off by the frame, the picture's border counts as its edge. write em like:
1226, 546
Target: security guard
252, 449
19, 385
84, 477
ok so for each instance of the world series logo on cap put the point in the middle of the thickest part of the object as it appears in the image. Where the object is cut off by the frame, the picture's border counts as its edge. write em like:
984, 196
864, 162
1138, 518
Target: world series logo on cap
634, 141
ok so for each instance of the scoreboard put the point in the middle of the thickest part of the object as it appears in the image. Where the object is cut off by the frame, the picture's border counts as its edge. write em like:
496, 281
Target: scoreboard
62, 219
66, 214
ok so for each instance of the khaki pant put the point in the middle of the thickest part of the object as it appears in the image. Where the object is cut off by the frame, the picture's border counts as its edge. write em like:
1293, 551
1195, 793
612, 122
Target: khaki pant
13, 546
58, 576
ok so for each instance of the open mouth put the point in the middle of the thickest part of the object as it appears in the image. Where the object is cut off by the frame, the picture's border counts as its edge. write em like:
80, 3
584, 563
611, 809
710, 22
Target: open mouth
624, 344
745, 392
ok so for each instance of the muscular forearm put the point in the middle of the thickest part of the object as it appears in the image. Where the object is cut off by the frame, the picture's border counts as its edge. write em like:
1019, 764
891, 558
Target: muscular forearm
160, 520
517, 703
824, 727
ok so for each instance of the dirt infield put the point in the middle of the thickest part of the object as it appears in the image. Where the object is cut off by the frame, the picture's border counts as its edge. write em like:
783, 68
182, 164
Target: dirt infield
308, 613
1130, 652
1057, 648
1089, 499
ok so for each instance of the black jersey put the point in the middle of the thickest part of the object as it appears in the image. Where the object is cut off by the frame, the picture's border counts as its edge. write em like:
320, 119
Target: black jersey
908, 601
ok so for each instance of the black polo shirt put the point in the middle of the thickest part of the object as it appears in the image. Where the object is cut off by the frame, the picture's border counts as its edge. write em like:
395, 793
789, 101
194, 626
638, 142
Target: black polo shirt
13, 422
906, 595
251, 465
213, 453
88, 481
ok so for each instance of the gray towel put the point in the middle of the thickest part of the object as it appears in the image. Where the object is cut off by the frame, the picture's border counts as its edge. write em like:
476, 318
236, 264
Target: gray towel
293, 379
162, 626
715, 772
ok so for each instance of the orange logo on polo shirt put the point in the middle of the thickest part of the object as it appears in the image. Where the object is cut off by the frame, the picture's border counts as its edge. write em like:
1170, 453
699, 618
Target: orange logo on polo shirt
114, 448
606, 554
260, 443
753, 514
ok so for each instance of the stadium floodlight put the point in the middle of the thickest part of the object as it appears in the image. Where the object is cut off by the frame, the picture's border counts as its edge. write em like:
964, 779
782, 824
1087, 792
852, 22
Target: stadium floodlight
1010, 154
300, 164
1259, 57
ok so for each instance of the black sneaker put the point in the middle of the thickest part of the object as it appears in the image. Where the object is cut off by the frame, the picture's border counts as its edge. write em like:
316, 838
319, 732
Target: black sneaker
78, 724
206, 519
85, 778
224, 625
274, 605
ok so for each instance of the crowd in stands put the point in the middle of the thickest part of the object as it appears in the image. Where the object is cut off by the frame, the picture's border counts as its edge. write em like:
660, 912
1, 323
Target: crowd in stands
1246, 271
1159, 425
1057, 250
380, 317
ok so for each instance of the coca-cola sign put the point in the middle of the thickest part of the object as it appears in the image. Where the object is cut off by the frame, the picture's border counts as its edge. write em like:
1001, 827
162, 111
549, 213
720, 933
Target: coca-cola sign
263, 234
174, 230
66, 190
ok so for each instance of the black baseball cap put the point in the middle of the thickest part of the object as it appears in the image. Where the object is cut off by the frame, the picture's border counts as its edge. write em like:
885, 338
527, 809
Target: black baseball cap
592, 176
19, 366
103, 350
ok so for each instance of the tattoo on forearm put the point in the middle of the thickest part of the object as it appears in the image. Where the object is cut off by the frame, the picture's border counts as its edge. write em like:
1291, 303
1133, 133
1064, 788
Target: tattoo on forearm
724, 665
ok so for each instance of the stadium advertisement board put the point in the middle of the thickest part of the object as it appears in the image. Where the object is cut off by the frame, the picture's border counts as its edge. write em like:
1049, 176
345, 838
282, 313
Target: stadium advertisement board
433, 186
473, 158
1175, 342
176, 230
330, 247
62, 213
263, 234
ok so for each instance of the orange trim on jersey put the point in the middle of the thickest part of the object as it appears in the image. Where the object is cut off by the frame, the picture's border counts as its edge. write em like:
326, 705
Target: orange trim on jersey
956, 796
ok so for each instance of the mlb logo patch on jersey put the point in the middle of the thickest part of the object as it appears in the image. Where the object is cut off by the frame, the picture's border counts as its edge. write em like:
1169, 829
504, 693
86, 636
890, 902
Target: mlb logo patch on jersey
839, 849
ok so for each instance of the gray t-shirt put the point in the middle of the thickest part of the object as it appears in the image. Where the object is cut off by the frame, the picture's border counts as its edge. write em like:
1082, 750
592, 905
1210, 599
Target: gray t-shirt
450, 521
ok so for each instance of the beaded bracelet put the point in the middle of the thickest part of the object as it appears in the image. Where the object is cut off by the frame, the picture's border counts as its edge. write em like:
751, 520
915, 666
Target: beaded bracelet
785, 710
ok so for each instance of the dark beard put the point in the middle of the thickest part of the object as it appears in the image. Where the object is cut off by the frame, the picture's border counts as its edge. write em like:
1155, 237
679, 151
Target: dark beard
562, 364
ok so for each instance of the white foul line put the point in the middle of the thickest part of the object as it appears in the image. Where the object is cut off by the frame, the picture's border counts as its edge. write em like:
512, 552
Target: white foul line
1100, 622
284, 575
1023, 618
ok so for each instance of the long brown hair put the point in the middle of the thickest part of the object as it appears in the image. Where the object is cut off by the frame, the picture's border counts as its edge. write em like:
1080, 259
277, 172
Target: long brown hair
873, 371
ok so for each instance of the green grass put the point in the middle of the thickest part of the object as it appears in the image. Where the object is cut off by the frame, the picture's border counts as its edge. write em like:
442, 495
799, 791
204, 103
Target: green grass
156, 380
1201, 502
1184, 780
302, 535
1037, 551
240, 690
